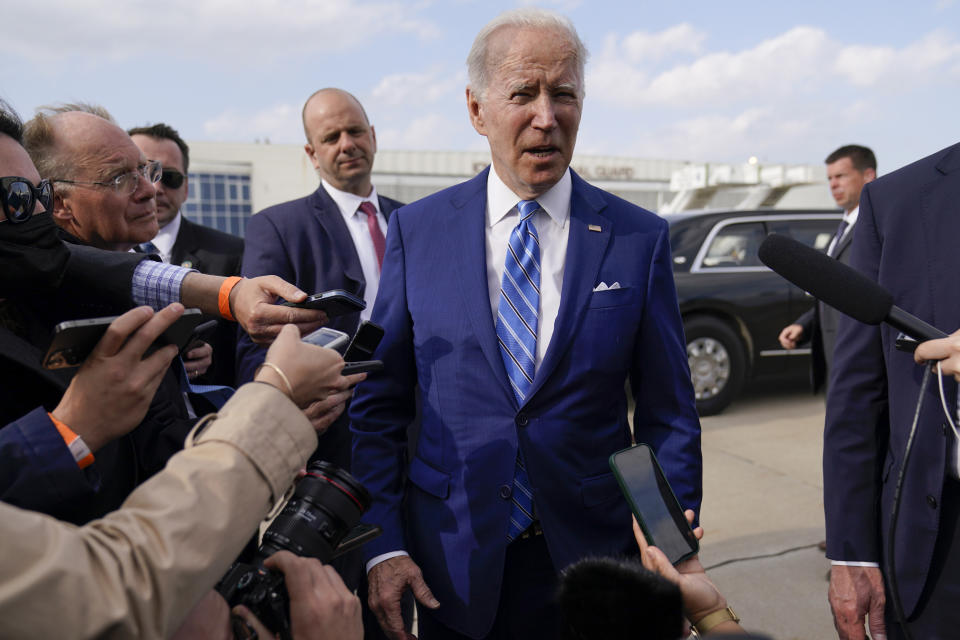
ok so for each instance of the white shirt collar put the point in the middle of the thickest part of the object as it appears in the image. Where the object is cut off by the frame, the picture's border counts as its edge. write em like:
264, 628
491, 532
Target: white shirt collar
501, 200
850, 217
349, 202
167, 237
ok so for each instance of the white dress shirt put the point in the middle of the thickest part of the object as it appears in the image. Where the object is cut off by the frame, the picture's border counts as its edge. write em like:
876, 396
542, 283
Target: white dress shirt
356, 221
850, 217
552, 221
166, 238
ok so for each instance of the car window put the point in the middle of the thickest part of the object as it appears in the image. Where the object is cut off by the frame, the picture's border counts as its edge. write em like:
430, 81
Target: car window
735, 245
813, 233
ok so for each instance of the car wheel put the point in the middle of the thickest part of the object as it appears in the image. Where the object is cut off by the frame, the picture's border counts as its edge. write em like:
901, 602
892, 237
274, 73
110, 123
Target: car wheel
717, 363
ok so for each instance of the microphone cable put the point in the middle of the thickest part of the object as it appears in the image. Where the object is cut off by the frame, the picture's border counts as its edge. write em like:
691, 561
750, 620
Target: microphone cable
895, 511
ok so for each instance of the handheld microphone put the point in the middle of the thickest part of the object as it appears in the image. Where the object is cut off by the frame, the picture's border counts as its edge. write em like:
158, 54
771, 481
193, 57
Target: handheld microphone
840, 286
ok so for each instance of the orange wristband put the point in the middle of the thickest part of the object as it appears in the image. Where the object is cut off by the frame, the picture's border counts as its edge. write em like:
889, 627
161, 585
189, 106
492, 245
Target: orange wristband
223, 300
79, 449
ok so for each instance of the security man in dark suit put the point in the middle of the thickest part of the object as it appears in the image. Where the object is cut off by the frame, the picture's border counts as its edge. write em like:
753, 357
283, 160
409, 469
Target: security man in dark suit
190, 245
333, 238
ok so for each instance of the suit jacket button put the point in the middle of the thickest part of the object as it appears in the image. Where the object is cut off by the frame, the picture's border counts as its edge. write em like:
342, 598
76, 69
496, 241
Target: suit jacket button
932, 502
506, 491
522, 420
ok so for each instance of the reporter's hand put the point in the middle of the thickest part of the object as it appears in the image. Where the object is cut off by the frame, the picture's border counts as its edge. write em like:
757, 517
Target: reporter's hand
700, 595
197, 359
321, 606
313, 372
790, 336
111, 392
946, 350
324, 413
253, 304
387, 582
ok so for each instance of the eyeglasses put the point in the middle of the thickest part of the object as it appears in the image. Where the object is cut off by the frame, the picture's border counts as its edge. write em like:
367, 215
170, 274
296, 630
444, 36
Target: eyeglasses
172, 179
19, 197
125, 183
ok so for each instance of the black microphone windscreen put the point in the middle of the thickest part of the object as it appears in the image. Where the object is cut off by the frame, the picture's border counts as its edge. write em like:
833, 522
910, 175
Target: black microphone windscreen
826, 279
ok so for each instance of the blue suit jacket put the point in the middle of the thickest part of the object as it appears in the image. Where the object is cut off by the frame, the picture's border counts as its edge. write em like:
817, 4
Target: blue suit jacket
306, 242
905, 239
449, 507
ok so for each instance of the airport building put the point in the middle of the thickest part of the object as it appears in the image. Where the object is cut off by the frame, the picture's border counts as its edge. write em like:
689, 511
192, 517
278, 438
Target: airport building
230, 181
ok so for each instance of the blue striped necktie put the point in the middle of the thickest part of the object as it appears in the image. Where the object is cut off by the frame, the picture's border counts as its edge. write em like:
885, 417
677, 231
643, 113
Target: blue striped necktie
517, 319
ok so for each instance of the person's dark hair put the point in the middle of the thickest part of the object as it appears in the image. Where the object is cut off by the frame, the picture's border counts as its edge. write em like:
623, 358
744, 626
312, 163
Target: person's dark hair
10, 123
162, 131
862, 158
617, 599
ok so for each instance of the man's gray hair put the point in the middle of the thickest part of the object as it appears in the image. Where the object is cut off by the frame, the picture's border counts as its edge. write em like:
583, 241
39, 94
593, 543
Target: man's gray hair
478, 66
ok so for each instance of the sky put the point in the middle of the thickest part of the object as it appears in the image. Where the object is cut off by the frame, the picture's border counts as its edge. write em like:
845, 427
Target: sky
786, 82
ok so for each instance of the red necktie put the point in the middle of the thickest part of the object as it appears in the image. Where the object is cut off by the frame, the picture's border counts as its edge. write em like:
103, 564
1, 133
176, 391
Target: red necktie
373, 225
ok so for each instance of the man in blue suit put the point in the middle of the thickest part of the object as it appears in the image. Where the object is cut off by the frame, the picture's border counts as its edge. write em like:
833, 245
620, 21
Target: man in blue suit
906, 241
516, 305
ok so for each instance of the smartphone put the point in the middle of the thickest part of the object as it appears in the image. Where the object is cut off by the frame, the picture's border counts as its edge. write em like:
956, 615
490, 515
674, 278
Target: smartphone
364, 342
361, 366
357, 536
327, 337
334, 303
653, 502
73, 340
203, 332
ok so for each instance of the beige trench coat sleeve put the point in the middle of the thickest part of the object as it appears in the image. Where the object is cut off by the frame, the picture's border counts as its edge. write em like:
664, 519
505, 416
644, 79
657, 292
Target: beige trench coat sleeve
137, 572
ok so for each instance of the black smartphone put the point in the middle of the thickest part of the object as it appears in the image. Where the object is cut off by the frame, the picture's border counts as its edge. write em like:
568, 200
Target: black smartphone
203, 332
364, 342
334, 303
653, 502
361, 366
327, 337
357, 536
73, 340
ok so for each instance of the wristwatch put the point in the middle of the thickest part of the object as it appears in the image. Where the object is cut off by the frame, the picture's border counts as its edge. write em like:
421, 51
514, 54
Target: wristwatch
702, 626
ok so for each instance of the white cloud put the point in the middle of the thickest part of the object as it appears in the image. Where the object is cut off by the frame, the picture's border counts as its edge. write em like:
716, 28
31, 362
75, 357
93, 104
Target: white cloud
278, 123
211, 30
428, 131
417, 89
563, 6
867, 66
640, 46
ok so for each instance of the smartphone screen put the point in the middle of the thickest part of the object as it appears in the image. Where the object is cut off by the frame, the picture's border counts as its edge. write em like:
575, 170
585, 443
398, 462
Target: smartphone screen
653, 502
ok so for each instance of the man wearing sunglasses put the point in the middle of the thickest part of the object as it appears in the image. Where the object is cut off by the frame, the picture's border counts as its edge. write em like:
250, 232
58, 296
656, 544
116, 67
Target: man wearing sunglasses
189, 244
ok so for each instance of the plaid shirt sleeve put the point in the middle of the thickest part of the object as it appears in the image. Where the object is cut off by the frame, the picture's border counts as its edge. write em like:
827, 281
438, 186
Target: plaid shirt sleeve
157, 284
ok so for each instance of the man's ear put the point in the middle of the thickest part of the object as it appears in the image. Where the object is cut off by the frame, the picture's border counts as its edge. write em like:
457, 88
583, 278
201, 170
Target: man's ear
373, 136
62, 211
475, 109
869, 175
308, 148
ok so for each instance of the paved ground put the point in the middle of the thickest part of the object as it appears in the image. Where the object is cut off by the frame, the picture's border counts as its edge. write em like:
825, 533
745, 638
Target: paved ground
763, 512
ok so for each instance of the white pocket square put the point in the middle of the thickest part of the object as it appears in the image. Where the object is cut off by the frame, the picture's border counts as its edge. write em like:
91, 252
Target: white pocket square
604, 287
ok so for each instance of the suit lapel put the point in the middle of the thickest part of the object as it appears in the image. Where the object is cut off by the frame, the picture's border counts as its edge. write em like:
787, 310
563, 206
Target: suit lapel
940, 211
467, 226
328, 215
585, 251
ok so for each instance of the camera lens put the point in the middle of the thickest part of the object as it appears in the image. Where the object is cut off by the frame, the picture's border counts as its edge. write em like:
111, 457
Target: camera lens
326, 504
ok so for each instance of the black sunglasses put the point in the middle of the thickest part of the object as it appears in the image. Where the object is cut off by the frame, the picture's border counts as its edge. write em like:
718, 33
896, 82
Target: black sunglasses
171, 178
19, 197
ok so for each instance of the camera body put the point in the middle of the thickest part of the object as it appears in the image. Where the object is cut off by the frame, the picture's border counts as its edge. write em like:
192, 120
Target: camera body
326, 504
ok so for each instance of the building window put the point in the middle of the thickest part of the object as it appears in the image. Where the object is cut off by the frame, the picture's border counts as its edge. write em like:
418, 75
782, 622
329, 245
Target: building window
220, 200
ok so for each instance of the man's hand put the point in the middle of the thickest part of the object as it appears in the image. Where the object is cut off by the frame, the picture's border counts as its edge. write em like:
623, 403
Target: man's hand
252, 302
388, 580
790, 336
947, 350
198, 359
324, 413
321, 606
857, 592
112, 391
208, 620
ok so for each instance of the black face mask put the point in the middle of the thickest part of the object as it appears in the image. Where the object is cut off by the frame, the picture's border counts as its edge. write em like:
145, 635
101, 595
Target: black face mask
33, 259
